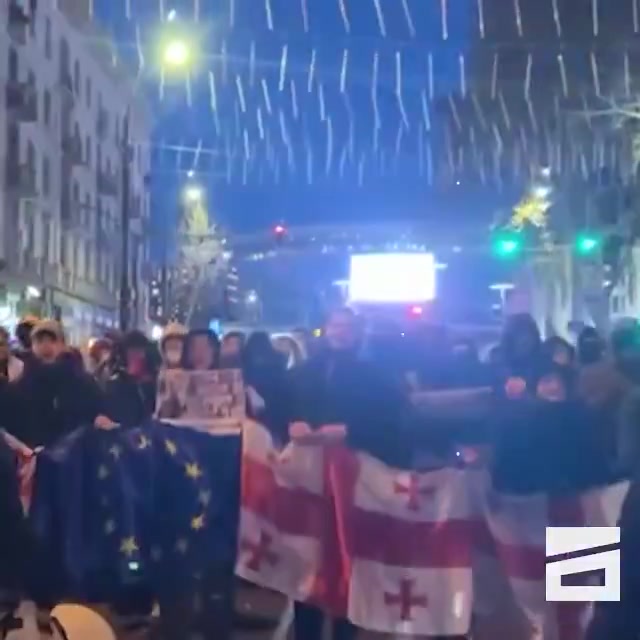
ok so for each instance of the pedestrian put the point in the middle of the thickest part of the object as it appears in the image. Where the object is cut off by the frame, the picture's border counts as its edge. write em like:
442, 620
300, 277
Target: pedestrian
172, 345
53, 396
265, 375
201, 350
130, 392
231, 350
23, 336
100, 359
591, 346
337, 395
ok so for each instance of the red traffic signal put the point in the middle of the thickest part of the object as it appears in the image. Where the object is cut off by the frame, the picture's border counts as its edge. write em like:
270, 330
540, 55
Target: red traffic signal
416, 311
279, 230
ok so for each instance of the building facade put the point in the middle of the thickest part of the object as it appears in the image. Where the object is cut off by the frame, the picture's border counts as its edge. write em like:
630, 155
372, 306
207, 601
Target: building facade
62, 120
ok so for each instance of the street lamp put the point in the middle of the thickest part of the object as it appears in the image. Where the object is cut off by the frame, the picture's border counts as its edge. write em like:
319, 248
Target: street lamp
176, 53
193, 194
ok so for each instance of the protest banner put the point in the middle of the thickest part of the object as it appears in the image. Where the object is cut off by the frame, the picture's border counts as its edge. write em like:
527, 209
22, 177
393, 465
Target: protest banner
203, 400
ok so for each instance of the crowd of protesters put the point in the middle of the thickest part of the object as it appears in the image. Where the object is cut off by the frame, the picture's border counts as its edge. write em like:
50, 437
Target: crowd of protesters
558, 418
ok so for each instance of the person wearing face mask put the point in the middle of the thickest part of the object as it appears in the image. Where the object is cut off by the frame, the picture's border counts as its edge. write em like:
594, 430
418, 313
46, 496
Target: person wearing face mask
131, 390
172, 345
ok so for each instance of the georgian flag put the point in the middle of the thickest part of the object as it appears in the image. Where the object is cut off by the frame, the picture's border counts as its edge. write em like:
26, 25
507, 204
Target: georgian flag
390, 550
509, 567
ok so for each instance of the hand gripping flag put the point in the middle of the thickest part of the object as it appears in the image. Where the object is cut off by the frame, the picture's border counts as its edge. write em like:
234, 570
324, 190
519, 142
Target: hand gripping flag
26, 460
389, 550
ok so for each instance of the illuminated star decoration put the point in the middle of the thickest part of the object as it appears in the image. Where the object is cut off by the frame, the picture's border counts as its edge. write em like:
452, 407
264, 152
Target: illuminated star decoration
192, 470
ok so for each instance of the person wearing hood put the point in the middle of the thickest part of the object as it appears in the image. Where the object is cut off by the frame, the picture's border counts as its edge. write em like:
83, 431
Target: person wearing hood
172, 345
53, 396
131, 390
522, 358
201, 350
336, 395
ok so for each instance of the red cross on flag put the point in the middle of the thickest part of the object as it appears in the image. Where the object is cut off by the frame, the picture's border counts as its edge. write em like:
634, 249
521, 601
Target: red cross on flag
389, 550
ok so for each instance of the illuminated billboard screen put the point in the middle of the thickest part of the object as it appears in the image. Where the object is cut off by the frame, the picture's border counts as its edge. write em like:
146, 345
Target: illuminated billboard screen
392, 278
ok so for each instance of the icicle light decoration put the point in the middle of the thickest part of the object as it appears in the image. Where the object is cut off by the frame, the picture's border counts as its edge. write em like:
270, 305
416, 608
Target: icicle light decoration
343, 70
265, 93
269, 13
445, 18
127, 9
399, 98
463, 76
454, 113
408, 18
380, 17
161, 10
196, 11
305, 15
518, 12
161, 85
329, 156
232, 13
374, 92
213, 95
312, 71
283, 68
563, 75
243, 105
505, 111
252, 63
294, 99
556, 17
627, 74
527, 78
345, 15
425, 111
479, 112
225, 62
494, 76
188, 89
321, 103
481, 26
260, 123
139, 49
595, 73
636, 16
595, 14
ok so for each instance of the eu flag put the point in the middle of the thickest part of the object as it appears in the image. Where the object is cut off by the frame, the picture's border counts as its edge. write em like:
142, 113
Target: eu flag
154, 505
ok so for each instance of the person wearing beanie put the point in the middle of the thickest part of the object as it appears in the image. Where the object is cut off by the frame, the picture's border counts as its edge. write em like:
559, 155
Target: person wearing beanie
172, 345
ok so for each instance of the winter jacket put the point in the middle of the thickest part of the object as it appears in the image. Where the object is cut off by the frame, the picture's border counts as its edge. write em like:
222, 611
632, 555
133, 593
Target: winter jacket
129, 401
50, 401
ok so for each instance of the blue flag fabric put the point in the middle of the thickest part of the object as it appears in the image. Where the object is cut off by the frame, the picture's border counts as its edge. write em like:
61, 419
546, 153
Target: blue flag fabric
155, 505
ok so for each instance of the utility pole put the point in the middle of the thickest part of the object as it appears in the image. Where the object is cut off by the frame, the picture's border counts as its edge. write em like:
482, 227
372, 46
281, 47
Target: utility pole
125, 294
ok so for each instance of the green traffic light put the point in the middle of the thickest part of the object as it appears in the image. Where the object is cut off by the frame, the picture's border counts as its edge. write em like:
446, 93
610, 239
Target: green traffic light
587, 244
507, 245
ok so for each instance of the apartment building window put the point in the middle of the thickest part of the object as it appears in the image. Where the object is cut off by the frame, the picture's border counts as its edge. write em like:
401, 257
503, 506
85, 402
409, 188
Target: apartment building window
86, 214
64, 60
48, 48
76, 192
31, 157
46, 107
13, 65
46, 240
117, 130
87, 151
88, 88
32, 26
46, 177
76, 78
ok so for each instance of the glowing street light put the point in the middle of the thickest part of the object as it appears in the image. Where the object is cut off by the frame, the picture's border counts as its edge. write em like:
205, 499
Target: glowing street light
176, 53
193, 193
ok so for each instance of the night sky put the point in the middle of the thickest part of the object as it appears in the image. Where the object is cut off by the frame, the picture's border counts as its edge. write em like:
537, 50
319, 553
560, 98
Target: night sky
289, 175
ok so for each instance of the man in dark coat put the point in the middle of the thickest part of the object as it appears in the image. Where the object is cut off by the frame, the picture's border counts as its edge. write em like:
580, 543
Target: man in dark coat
336, 395
53, 397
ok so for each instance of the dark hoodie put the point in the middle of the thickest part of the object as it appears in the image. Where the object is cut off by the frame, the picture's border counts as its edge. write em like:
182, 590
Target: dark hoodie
130, 396
50, 401
337, 387
521, 349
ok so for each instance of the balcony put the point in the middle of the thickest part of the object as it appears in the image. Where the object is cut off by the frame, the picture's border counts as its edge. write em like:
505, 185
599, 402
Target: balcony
108, 183
18, 23
72, 150
21, 181
22, 101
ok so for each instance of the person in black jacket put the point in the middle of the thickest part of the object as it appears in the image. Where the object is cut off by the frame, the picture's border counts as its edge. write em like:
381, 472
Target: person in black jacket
130, 392
337, 395
265, 372
53, 397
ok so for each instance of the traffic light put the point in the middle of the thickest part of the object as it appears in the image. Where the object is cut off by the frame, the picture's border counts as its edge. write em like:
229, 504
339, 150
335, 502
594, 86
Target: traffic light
279, 232
586, 244
416, 311
507, 244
